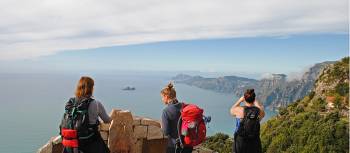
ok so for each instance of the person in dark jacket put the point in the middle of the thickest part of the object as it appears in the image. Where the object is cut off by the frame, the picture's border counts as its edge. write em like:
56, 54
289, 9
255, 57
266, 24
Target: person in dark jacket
243, 144
170, 118
96, 110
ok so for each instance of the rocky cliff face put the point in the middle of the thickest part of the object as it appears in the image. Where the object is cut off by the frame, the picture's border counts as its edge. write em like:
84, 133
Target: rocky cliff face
274, 91
284, 92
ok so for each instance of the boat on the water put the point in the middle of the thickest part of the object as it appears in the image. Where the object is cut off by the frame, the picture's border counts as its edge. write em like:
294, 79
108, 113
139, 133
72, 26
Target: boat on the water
129, 88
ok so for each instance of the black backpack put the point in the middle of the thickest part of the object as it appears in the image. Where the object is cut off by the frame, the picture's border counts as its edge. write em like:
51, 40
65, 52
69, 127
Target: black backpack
250, 125
75, 128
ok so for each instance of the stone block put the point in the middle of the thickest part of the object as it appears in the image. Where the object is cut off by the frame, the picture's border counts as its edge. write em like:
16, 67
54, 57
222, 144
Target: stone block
57, 146
114, 113
147, 121
53, 146
138, 146
120, 139
154, 132
47, 148
104, 135
140, 132
137, 120
154, 146
104, 126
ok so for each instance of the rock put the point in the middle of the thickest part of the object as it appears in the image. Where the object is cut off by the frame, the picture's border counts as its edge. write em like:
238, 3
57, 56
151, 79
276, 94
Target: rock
154, 132
138, 146
57, 146
147, 121
114, 113
121, 138
140, 131
155, 146
137, 120
53, 146
104, 135
104, 126
47, 148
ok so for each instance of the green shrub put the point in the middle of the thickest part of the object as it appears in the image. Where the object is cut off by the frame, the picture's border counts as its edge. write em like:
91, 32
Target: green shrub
219, 142
342, 89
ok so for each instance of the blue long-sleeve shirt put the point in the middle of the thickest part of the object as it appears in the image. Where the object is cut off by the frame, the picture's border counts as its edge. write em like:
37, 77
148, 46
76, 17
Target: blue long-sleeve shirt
170, 117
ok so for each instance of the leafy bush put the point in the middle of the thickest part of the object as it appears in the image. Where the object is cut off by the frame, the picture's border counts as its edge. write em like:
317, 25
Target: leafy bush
342, 89
219, 142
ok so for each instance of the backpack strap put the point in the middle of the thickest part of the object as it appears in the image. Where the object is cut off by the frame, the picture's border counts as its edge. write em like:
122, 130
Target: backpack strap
179, 143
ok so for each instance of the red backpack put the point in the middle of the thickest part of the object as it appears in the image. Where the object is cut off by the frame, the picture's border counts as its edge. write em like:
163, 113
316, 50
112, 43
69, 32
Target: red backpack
191, 126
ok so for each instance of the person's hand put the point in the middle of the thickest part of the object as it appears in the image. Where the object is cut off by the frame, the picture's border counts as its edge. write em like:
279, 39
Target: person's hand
241, 99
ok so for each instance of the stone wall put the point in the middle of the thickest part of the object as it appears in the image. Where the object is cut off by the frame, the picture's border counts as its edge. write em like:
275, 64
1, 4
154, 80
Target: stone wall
126, 134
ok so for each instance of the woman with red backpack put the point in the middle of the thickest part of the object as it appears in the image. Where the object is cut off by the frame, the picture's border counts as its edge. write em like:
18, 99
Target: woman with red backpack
79, 125
248, 117
170, 117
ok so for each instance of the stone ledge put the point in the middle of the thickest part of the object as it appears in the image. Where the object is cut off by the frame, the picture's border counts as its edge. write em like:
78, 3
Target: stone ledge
148, 121
126, 133
140, 131
137, 120
154, 132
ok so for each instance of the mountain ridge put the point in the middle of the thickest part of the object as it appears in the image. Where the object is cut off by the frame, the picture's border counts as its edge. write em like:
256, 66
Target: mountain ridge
274, 92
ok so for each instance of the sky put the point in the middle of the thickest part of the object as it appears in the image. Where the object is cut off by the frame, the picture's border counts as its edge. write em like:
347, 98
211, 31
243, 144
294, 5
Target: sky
224, 36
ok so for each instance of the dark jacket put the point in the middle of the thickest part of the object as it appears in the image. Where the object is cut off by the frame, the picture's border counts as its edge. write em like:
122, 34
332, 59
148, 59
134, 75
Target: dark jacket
170, 117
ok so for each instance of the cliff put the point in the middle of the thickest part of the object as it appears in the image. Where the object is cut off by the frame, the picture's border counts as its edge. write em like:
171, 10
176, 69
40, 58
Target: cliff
319, 122
274, 91
126, 134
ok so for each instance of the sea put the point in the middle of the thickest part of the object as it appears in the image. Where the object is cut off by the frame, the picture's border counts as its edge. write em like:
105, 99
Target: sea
32, 104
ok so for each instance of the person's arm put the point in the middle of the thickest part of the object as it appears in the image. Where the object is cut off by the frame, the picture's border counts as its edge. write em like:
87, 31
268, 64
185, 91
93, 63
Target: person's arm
261, 107
102, 113
165, 124
235, 107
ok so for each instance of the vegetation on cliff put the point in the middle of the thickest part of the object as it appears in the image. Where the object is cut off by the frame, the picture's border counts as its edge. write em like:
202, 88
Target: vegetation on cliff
219, 142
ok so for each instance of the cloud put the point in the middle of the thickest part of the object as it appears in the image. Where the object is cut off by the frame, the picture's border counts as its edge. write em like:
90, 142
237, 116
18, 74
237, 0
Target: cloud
298, 75
266, 76
34, 28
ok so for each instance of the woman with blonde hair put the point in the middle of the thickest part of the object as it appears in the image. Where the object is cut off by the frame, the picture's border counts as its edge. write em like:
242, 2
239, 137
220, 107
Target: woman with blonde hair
170, 117
79, 126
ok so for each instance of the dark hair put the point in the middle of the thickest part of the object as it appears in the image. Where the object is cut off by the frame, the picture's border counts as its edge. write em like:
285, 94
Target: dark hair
249, 96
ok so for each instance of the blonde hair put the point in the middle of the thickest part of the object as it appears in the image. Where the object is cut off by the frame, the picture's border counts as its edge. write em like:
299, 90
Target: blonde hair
85, 87
169, 91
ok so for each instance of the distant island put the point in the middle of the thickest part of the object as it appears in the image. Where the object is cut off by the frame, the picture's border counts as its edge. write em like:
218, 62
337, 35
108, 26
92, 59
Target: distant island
274, 91
129, 88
